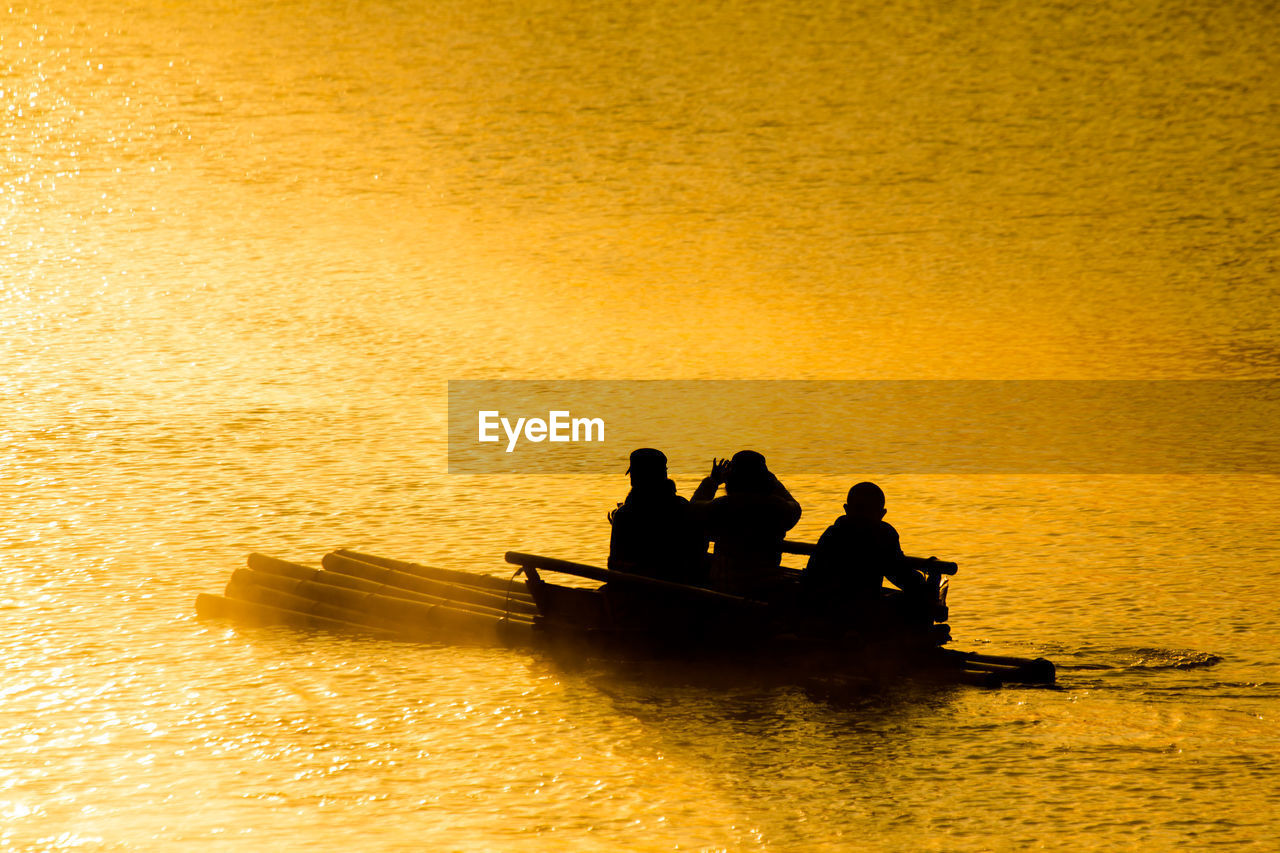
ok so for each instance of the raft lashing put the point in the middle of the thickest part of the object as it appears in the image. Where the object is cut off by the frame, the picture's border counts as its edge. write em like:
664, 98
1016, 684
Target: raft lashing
358, 593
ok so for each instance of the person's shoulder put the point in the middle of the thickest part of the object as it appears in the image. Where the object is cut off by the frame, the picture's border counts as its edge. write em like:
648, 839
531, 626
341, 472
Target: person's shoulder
834, 533
888, 535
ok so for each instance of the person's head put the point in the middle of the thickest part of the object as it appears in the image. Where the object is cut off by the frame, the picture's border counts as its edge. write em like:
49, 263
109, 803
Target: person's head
748, 473
648, 467
865, 501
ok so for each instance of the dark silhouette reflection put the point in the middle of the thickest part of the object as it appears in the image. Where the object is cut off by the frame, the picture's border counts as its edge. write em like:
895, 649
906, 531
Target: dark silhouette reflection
748, 524
653, 531
841, 589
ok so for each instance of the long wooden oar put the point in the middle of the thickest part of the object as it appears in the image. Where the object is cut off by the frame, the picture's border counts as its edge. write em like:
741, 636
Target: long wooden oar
532, 563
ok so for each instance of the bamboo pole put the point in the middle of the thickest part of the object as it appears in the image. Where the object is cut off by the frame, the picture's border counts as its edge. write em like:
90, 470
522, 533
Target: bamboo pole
246, 585
322, 584
264, 563
342, 564
490, 582
394, 616
357, 601
1026, 670
253, 613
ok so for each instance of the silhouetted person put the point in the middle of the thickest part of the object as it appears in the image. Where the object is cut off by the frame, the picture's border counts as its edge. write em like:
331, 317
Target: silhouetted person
653, 532
840, 588
748, 524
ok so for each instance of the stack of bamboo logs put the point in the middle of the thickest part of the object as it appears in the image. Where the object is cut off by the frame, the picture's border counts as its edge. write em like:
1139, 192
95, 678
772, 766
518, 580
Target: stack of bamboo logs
378, 596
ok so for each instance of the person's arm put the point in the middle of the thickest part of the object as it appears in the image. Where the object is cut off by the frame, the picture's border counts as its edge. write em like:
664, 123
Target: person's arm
706, 491
819, 562
824, 582
791, 507
902, 576
619, 558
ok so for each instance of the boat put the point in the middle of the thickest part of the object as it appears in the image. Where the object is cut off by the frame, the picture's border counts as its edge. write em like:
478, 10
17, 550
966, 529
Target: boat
624, 615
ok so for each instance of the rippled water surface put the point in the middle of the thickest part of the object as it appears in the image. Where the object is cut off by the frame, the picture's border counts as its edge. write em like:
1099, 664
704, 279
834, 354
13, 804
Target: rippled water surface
244, 247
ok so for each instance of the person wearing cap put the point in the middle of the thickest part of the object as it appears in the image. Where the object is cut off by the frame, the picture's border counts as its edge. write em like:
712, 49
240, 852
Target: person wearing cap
748, 523
653, 533
840, 588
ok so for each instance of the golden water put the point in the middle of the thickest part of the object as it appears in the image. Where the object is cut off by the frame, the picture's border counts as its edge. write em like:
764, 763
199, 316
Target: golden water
244, 247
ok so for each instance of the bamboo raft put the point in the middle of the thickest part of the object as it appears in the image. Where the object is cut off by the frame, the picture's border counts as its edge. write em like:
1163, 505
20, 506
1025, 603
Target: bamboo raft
354, 592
